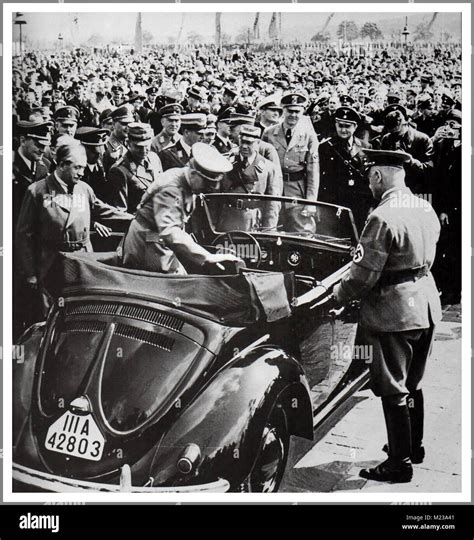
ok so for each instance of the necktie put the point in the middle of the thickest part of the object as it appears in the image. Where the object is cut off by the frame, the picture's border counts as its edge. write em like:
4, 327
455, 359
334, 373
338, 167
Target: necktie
288, 136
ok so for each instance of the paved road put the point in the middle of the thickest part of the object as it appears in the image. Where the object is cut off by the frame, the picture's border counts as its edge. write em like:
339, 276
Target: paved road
354, 438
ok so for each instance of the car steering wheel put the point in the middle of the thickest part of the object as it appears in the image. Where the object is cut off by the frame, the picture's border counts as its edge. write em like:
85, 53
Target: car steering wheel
257, 260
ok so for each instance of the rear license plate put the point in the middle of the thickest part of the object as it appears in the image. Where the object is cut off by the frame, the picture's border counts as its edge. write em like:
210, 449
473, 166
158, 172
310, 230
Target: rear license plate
77, 436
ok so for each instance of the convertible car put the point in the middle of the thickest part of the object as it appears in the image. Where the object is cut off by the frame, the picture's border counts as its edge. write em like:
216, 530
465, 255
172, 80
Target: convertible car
145, 382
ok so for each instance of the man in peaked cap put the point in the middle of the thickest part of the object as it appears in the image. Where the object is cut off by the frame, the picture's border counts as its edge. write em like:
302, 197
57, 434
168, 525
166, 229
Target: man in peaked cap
297, 145
135, 99
425, 120
65, 120
135, 171
400, 307
29, 165
229, 99
341, 162
94, 139
156, 240
115, 147
170, 116
192, 128
251, 173
222, 141
196, 97
209, 135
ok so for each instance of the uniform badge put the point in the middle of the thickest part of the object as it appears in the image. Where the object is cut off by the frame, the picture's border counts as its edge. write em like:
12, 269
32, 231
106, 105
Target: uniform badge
358, 254
351, 182
259, 167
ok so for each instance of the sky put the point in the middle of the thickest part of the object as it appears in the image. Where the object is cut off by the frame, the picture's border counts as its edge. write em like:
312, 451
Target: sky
164, 26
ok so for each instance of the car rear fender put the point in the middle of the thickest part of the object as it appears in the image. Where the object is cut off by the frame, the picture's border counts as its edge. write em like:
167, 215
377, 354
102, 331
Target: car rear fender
227, 419
23, 371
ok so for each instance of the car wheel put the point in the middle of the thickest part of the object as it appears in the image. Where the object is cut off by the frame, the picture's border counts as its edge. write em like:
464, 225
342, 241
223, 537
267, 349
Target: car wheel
267, 471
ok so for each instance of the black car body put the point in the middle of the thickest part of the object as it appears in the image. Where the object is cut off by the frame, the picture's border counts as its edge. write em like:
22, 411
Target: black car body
145, 382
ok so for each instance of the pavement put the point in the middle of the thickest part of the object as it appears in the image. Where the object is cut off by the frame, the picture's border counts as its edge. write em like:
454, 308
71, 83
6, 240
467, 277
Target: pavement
354, 437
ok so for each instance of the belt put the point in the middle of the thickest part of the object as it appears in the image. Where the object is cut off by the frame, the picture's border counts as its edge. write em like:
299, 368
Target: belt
294, 176
394, 277
69, 246
239, 205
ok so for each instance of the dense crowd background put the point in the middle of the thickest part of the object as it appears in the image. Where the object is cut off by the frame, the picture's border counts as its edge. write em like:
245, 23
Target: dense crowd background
399, 97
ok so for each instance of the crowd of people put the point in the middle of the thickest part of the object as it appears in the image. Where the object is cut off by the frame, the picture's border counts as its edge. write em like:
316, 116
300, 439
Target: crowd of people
291, 121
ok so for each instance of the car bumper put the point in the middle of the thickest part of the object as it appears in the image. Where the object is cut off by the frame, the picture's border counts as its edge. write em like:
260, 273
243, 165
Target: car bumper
59, 484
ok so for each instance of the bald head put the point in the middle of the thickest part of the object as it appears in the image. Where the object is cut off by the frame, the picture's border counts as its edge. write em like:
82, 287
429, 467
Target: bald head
72, 160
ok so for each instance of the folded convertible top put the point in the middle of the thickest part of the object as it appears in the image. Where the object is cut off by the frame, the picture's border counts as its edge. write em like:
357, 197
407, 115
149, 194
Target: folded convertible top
235, 300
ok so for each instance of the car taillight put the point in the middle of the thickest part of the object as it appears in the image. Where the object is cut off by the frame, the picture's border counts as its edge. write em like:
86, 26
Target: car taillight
189, 458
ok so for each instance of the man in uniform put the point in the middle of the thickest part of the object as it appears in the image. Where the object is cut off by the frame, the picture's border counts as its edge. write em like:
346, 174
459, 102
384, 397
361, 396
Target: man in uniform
149, 104
93, 139
297, 146
178, 155
196, 97
400, 306
170, 116
156, 240
222, 141
28, 163
65, 120
401, 136
251, 173
132, 174
270, 112
115, 147
341, 162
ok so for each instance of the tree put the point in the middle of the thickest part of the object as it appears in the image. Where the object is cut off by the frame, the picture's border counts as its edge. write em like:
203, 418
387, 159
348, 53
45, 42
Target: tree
321, 37
242, 35
147, 37
422, 33
194, 37
347, 31
372, 31
225, 39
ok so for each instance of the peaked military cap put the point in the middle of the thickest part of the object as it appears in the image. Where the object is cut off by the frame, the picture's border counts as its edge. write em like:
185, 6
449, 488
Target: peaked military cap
195, 121
139, 133
291, 99
174, 110
67, 114
388, 158
36, 129
92, 136
122, 114
347, 114
208, 161
250, 131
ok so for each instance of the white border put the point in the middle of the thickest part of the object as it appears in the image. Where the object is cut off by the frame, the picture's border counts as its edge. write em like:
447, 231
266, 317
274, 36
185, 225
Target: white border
465, 494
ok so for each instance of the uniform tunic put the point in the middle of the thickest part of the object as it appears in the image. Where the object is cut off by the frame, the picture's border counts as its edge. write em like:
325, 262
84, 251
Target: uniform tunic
127, 181
174, 156
400, 302
162, 141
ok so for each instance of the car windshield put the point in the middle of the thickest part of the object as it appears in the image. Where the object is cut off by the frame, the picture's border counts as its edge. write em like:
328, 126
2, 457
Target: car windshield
280, 216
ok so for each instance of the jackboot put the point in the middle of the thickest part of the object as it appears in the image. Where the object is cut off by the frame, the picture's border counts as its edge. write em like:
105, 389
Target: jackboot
397, 468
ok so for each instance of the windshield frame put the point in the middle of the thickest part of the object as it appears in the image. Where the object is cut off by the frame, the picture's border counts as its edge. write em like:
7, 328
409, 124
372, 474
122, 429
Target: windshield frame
204, 197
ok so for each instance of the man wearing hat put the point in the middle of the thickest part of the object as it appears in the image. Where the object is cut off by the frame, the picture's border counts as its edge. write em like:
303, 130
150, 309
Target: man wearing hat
323, 117
341, 163
400, 306
270, 112
209, 135
130, 176
251, 173
229, 99
222, 141
401, 136
447, 104
115, 146
171, 121
94, 139
83, 106
156, 240
149, 103
135, 99
425, 121
196, 97
56, 215
297, 145
192, 128
29, 165
65, 120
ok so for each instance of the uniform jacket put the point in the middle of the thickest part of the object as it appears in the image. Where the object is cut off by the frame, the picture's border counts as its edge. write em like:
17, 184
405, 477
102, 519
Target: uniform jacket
174, 156
162, 141
343, 180
400, 234
50, 217
127, 182
157, 240
95, 178
222, 146
23, 178
301, 154
420, 147
114, 150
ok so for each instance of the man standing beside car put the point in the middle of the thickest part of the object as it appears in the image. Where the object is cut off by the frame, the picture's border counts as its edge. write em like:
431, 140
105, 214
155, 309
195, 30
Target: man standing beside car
400, 307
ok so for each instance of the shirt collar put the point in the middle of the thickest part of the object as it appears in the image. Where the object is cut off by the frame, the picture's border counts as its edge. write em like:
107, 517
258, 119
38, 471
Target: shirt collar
62, 183
186, 147
390, 191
